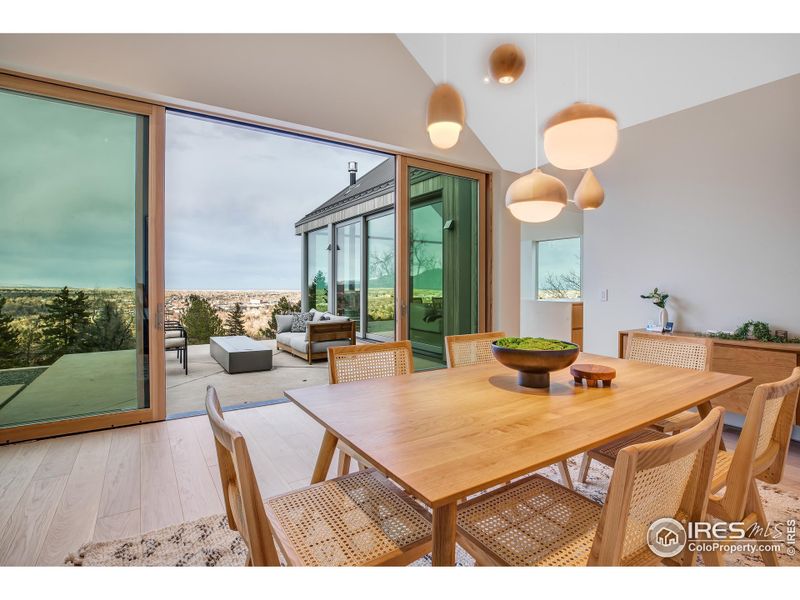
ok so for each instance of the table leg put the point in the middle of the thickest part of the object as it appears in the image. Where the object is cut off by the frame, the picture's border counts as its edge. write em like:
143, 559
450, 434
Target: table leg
444, 535
324, 457
704, 409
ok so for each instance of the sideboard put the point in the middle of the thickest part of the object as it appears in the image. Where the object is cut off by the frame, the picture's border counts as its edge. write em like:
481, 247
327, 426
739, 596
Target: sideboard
763, 361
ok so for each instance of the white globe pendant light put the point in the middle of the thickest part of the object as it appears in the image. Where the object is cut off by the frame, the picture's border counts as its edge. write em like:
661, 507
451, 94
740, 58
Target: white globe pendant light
580, 136
445, 116
536, 197
589, 194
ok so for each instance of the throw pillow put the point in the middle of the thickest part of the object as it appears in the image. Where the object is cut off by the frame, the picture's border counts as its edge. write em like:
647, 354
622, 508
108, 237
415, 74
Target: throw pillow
284, 323
299, 322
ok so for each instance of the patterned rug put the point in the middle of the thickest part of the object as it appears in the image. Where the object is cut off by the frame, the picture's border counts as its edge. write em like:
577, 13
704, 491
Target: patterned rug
209, 542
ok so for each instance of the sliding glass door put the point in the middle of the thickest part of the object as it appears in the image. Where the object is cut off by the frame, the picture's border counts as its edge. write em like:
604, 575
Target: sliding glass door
348, 271
381, 276
74, 283
443, 261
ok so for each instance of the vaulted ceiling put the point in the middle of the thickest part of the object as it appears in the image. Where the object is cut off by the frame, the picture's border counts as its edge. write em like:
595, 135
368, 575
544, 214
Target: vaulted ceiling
639, 77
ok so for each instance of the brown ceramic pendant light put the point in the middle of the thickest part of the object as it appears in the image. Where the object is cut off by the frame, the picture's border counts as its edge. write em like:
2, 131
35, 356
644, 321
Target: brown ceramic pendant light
507, 63
589, 193
446, 114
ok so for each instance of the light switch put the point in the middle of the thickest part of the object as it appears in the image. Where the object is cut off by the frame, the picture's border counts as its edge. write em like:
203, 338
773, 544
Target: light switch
603, 295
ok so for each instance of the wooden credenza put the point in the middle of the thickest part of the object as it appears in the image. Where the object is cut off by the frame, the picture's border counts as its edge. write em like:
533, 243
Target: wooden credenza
763, 361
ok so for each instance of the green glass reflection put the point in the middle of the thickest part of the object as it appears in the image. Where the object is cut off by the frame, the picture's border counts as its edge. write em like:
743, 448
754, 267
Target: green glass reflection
380, 267
318, 269
72, 278
443, 261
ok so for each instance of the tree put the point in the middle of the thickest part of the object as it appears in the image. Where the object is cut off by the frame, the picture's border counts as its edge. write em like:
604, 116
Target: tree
421, 259
9, 340
110, 330
234, 324
561, 285
282, 307
65, 320
318, 292
30, 342
201, 321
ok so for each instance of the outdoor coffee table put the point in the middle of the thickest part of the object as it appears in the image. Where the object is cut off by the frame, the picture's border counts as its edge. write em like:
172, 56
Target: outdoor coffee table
449, 433
240, 354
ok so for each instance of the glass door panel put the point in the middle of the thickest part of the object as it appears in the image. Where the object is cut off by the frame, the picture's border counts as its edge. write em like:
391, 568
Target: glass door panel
443, 262
348, 271
381, 277
318, 246
73, 279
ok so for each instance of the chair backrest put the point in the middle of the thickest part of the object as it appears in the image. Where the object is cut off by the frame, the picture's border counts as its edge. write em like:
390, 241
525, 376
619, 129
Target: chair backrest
369, 361
471, 348
670, 350
764, 442
665, 478
243, 502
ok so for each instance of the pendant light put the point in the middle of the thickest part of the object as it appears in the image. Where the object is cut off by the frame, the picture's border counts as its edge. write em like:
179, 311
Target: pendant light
589, 194
446, 113
507, 63
536, 197
582, 135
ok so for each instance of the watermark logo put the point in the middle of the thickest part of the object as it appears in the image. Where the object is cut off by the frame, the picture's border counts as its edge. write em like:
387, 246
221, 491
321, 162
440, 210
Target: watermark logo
666, 537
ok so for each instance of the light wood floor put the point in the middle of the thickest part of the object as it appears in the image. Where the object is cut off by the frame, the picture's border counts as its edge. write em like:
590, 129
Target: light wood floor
56, 495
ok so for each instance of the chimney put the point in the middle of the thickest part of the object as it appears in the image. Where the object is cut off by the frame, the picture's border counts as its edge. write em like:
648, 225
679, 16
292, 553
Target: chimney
352, 167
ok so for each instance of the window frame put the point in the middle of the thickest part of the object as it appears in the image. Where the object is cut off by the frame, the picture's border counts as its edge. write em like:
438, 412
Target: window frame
536, 269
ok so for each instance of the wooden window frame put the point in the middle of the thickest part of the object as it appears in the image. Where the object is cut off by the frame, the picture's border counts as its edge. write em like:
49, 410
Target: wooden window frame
402, 214
155, 257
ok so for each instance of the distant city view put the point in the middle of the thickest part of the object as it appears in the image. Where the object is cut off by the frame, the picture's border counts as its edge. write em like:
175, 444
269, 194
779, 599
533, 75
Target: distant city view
257, 305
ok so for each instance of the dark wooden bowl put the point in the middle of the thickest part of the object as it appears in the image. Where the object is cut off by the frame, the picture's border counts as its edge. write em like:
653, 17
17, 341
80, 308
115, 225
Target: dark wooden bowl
535, 366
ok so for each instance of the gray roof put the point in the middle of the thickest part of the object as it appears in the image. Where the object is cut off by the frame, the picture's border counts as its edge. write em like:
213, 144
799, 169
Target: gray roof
377, 182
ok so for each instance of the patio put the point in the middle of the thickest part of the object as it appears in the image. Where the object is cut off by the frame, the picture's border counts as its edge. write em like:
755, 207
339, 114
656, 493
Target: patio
186, 393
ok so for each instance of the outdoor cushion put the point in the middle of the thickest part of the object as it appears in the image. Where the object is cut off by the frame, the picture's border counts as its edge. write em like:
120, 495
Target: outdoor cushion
173, 333
299, 344
174, 342
299, 322
316, 315
285, 337
284, 322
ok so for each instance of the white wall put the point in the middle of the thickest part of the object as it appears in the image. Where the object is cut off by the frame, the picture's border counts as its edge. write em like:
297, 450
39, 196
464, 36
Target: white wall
704, 204
542, 318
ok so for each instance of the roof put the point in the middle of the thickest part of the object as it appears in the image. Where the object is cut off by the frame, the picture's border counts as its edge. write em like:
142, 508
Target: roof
377, 182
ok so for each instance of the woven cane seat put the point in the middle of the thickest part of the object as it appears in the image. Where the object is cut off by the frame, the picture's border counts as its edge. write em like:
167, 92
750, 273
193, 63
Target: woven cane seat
359, 519
609, 451
721, 469
533, 521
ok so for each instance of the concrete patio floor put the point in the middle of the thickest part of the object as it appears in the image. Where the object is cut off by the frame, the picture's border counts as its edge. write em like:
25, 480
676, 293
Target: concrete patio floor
186, 393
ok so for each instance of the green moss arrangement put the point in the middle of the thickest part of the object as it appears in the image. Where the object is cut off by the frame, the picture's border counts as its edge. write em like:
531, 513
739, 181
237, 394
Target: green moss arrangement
754, 330
531, 343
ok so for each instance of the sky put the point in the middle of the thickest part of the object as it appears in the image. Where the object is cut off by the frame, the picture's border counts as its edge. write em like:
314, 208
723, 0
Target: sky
233, 194
67, 190
559, 256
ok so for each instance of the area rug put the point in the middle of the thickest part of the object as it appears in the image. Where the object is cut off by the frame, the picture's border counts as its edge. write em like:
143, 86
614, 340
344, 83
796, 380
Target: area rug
209, 542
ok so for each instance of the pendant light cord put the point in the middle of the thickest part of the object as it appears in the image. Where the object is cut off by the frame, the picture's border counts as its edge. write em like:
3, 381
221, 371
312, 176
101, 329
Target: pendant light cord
535, 104
444, 58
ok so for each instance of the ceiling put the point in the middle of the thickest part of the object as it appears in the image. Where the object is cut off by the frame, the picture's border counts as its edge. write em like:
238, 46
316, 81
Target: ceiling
639, 77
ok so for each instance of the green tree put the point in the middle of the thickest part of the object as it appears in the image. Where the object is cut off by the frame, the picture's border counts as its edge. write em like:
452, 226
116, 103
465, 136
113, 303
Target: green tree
318, 292
282, 307
234, 324
201, 321
9, 340
30, 342
110, 330
66, 318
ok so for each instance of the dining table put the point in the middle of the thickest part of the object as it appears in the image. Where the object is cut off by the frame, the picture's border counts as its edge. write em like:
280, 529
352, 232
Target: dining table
446, 434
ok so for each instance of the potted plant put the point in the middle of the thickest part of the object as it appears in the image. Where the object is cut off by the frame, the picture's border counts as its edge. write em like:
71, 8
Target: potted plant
660, 300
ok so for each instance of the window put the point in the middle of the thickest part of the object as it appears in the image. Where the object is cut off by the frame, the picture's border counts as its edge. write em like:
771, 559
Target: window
318, 245
558, 269
381, 273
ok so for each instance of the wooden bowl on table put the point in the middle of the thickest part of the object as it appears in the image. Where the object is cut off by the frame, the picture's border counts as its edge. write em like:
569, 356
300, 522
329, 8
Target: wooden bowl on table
534, 365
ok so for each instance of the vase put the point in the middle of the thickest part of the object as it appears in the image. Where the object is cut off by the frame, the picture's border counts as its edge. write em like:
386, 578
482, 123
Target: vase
663, 317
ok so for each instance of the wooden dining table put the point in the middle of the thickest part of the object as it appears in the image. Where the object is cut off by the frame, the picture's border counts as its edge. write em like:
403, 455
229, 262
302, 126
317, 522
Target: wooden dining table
448, 433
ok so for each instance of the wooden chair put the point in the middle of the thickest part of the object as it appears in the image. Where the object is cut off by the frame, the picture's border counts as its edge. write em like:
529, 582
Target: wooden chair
360, 519
359, 363
535, 521
658, 349
471, 348
476, 349
760, 454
